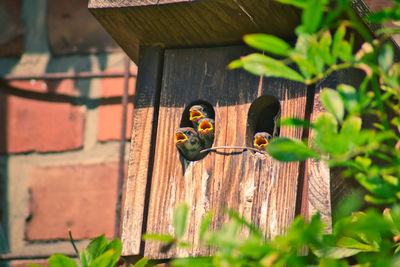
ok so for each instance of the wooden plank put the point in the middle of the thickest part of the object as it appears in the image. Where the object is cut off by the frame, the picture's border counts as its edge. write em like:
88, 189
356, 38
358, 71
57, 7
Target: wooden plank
318, 175
259, 188
142, 147
191, 23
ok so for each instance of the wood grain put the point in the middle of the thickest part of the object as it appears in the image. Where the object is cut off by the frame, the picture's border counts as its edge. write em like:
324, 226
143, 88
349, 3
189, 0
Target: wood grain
142, 147
191, 23
259, 188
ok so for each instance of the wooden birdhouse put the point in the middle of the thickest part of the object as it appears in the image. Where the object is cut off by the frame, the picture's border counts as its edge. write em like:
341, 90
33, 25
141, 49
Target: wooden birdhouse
182, 48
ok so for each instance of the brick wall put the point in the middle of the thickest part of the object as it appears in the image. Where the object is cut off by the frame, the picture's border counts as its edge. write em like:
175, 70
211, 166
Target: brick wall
59, 139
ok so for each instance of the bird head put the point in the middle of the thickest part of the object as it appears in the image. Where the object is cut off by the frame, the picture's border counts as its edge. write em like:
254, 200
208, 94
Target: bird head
261, 140
197, 112
205, 126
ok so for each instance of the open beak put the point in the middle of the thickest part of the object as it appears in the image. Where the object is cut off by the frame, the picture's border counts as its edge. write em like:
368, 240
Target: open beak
260, 142
205, 127
180, 138
195, 115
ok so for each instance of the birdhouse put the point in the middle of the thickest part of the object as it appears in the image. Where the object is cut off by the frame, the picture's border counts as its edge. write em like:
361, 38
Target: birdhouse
182, 48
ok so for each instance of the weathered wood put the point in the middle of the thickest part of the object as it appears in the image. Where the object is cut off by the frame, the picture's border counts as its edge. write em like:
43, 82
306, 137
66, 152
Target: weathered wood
317, 175
142, 147
259, 188
191, 23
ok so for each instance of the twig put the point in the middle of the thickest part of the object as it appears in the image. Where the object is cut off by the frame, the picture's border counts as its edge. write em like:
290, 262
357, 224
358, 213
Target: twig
232, 147
73, 243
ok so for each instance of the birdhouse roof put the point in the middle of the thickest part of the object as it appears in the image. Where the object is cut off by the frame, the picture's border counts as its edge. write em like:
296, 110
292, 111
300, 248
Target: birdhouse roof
194, 23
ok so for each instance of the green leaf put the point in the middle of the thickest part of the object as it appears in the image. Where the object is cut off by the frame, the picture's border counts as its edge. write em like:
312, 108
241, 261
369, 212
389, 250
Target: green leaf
33, 265
205, 223
349, 97
312, 16
116, 245
335, 252
263, 65
350, 129
324, 47
295, 122
59, 260
267, 43
180, 215
107, 259
195, 262
85, 258
378, 200
337, 40
296, 3
349, 242
344, 51
385, 58
285, 149
142, 262
158, 237
333, 102
238, 63
97, 246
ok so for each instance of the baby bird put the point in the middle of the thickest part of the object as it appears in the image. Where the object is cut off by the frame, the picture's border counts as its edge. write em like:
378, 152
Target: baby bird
206, 130
188, 143
261, 140
196, 113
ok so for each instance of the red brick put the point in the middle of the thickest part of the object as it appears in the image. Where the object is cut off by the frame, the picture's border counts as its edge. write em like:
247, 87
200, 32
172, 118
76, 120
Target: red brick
24, 263
78, 197
43, 126
110, 114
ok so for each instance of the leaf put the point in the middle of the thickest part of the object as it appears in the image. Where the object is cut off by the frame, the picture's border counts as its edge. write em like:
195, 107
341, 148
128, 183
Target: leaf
205, 223
116, 245
285, 149
142, 262
378, 200
33, 265
337, 40
97, 246
312, 16
158, 237
238, 63
335, 252
180, 215
59, 260
349, 97
333, 102
349, 242
385, 58
350, 129
263, 65
195, 262
295, 122
85, 258
107, 259
324, 47
267, 43
296, 3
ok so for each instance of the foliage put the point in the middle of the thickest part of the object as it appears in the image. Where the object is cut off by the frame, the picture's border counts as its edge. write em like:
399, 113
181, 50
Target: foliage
367, 151
99, 253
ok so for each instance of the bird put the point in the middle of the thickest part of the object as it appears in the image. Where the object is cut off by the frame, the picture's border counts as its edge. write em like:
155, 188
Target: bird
277, 119
189, 144
197, 112
261, 140
206, 130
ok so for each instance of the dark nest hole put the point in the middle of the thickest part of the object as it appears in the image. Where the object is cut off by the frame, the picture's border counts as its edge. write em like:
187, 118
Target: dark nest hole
261, 117
185, 119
